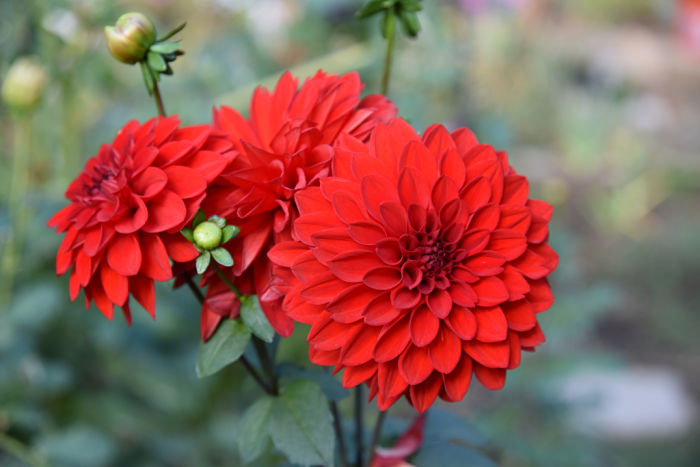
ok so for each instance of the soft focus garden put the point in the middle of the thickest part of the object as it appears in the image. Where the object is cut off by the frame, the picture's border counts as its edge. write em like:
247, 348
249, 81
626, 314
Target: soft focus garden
288, 243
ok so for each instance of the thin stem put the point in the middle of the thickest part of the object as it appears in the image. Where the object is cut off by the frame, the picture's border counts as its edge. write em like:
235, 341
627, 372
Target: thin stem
159, 100
390, 26
266, 363
21, 452
228, 282
376, 433
337, 425
359, 425
248, 366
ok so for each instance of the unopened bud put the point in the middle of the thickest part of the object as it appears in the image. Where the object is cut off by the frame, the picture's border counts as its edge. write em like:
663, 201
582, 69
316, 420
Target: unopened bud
130, 38
24, 83
207, 235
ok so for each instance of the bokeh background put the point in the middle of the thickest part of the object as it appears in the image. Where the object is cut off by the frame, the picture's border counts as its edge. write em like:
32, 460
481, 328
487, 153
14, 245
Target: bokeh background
596, 101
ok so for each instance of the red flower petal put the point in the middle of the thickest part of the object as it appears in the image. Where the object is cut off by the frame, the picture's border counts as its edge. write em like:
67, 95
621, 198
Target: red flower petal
445, 351
440, 303
492, 355
392, 340
165, 211
185, 182
424, 394
349, 305
415, 365
124, 255
354, 265
490, 378
357, 374
462, 322
359, 348
540, 296
457, 382
491, 324
491, 291
155, 263
379, 311
520, 315
142, 290
115, 285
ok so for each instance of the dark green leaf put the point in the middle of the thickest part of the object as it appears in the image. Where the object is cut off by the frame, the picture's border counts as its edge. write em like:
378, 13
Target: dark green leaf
188, 234
225, 347
229, 232
331, 387
300, 424
373, 7
253, 317
253, 437
156, 62
198, 218
203, 261
222, 256
409, 23
165, 47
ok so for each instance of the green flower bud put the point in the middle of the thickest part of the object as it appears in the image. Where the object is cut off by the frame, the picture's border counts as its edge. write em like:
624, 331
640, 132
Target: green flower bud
207, 235
24, 83
130, 38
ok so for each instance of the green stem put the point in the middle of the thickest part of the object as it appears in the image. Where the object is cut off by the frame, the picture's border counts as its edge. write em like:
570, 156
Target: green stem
359, 425
17, 204
390, 27
228, 282
266, 362
338, 427
159, 100
248, 366
376, 434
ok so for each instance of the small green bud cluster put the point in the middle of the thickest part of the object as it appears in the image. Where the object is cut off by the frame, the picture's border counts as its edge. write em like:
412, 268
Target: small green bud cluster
133, 40
405, 10
207, 236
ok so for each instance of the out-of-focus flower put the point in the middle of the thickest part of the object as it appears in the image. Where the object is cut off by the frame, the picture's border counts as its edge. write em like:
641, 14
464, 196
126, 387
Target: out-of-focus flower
128, 207
285, 146
409, 442
418, 263
24, 84
130, 38
688, 23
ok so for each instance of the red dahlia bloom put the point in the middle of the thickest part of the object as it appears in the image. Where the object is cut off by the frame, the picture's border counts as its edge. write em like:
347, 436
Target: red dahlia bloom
128, 207
419, 262
285, 146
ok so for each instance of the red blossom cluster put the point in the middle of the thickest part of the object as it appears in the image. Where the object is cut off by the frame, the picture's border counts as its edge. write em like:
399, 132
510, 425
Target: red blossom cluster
417, 261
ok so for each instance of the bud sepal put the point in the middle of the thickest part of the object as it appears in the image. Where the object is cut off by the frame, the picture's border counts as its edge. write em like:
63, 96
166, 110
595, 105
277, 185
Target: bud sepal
207, 236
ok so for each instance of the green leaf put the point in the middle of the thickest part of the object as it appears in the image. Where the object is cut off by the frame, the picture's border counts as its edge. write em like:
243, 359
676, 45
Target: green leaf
222, 256
165, 47
253, 317
198, 218
409, 23
253, 437
300, 424
147, 77
156, 62
225, 347
203, 261
331, 387
229, 232
188, 234
373, 7
218, 220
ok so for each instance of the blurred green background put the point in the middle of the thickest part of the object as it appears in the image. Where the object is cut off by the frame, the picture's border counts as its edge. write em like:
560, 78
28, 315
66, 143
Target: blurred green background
596, 101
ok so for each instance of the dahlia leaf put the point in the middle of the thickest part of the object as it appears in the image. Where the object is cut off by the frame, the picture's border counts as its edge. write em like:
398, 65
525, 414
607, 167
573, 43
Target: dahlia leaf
252, 436
253, 317
300, 424
222, 256
198, 218
165, 47
331, 387
411, 5
203, 261
188, 234
225, 347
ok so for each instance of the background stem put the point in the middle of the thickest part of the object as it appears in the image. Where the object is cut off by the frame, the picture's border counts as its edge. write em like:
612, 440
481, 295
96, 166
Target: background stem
158, 99
390, 27
338, 426
359, 425
376, 433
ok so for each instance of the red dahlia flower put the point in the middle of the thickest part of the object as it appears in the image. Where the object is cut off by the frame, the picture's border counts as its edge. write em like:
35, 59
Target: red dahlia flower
419, 262
128, 207
285, 146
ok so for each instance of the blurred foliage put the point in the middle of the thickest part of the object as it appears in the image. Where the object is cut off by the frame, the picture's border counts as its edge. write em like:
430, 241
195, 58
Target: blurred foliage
593, 100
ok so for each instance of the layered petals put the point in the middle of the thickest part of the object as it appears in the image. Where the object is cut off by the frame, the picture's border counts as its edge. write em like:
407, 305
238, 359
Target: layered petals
418, 262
